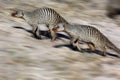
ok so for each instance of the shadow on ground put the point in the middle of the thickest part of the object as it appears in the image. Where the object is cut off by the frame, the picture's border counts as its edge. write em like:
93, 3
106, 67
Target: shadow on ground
98, 52
43, 33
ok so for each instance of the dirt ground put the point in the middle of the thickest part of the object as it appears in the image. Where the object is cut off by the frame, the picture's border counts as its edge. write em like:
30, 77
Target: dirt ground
23, 57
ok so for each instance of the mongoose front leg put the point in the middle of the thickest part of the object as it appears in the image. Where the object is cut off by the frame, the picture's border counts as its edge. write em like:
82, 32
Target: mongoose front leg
78, 46
36, 32
103, 51
47, 32
53, 34
75, 43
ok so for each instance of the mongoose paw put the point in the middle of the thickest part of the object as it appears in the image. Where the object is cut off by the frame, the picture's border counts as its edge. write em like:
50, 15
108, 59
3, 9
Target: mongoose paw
53, 39
37, 37
82, 51
104, 55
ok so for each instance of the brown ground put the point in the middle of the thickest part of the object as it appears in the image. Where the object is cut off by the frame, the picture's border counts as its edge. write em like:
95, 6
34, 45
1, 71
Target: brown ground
23, 57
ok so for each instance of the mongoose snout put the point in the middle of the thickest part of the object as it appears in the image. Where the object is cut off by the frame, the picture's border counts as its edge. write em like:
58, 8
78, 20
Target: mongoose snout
17, 14
46, 16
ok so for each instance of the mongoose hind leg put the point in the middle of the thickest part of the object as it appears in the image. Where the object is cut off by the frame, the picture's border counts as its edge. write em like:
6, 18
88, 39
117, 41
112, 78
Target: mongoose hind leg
75, 43
103, 51
36, 32
91, 46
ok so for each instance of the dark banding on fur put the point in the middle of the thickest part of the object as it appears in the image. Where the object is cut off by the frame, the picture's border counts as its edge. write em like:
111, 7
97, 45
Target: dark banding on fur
88, 34
38, 16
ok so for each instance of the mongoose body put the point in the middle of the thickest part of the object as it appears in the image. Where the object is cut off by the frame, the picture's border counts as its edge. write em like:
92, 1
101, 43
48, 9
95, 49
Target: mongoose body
90, 35
46, 16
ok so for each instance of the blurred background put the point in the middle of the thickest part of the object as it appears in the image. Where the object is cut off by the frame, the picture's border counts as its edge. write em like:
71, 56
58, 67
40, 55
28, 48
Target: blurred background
23, 57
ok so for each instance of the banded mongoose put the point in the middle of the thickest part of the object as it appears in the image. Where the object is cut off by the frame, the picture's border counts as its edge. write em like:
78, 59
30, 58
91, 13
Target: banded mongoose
46, 16
88, 34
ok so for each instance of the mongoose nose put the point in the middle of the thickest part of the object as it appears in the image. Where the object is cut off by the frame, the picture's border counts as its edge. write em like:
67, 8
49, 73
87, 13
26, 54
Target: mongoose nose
14, 14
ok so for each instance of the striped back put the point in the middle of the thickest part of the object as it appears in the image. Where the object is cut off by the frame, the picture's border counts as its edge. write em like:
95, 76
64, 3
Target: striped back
85, 32
45, 16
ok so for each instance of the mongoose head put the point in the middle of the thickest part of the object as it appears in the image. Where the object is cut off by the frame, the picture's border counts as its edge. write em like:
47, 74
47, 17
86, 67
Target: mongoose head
59, 28
18, 14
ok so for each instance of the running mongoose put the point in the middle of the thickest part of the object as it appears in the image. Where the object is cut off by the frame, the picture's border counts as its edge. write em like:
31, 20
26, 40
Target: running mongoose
46, 16
88, 34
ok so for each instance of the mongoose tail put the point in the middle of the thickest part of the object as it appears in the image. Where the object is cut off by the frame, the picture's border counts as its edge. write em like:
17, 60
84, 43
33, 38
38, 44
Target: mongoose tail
113, 47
